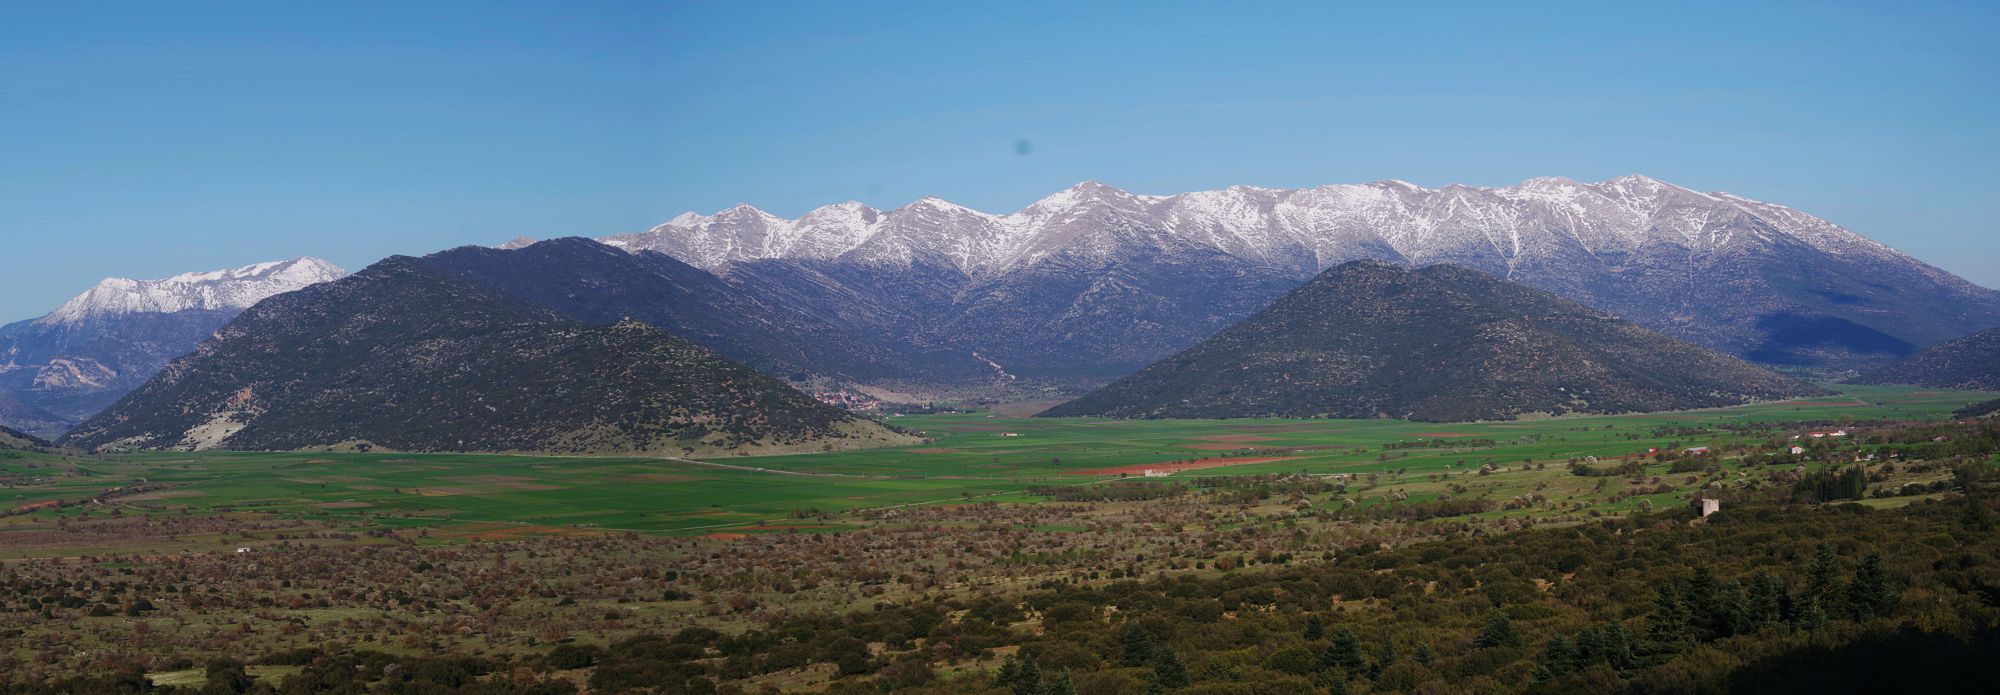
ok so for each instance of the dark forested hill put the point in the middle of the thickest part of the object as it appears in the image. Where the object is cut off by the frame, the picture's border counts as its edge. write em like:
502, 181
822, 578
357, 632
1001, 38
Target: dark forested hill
585, 281
1370, 339
1971, 363
406, 357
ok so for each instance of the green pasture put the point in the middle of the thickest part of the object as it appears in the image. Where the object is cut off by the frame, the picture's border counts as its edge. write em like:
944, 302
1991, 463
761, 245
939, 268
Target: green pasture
970, 459
1045, 450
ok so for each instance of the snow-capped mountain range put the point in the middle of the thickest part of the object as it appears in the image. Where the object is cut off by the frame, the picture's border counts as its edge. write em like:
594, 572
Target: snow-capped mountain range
1321, 226
215, 290
1754, 278
72, 362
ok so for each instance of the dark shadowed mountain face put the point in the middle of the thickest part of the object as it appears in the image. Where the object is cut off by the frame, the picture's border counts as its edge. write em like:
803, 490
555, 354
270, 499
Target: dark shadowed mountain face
1094, 280
589, 282
405, 357
1970, 363
1368, 339
63, 367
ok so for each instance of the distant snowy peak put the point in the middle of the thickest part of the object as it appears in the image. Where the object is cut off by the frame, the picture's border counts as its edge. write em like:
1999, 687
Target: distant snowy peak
1318, 227
233, 289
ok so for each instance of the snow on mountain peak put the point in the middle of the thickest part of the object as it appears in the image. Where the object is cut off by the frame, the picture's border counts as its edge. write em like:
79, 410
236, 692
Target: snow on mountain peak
1328, 224
232, 289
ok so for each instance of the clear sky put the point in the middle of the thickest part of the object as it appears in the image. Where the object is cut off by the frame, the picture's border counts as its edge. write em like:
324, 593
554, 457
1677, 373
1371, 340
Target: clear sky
146, 139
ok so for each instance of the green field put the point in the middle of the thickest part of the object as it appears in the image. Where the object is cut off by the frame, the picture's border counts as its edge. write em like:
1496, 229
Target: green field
971, 458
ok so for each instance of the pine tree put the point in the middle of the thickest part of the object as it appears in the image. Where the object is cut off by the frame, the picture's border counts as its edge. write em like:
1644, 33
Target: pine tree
1701, 604
1499, 632
1766, 603
1347, 651
1667, 629
1138, 648
1559, 658
1811, 615
1425, 655
1336, 684
1869, 594
1168, 671
1731, 614
1589, 647
1821, 575
1009, 670
1314, 628
1618, 647
1028, 680
1060, 686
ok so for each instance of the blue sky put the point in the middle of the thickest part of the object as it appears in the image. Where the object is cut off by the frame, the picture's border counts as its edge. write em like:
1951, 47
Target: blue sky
148, 139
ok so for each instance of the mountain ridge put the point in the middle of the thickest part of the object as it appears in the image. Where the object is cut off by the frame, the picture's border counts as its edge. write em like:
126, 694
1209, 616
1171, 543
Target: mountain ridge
1752, 278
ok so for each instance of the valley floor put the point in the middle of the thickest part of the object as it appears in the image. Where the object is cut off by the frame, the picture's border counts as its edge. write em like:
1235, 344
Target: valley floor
166, 560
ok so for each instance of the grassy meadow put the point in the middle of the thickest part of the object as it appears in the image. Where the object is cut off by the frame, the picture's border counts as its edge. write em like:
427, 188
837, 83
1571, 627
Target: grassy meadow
971, 457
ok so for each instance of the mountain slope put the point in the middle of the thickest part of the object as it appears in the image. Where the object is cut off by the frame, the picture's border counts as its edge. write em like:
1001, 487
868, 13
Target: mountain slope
589, 282
101, 344
1029, 288
1970, 363
1368, 339
15, 439
406, 357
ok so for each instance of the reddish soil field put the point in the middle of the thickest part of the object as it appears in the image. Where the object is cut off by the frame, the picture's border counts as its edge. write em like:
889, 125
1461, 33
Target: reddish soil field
1197, 464
1236, 438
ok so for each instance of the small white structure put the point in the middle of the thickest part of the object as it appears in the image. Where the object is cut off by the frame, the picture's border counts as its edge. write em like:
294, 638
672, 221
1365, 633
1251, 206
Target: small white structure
1798, 450
1158, 473
1707, 506
243, 549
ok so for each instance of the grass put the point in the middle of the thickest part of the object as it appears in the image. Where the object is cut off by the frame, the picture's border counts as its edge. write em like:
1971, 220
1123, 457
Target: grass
475, 497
